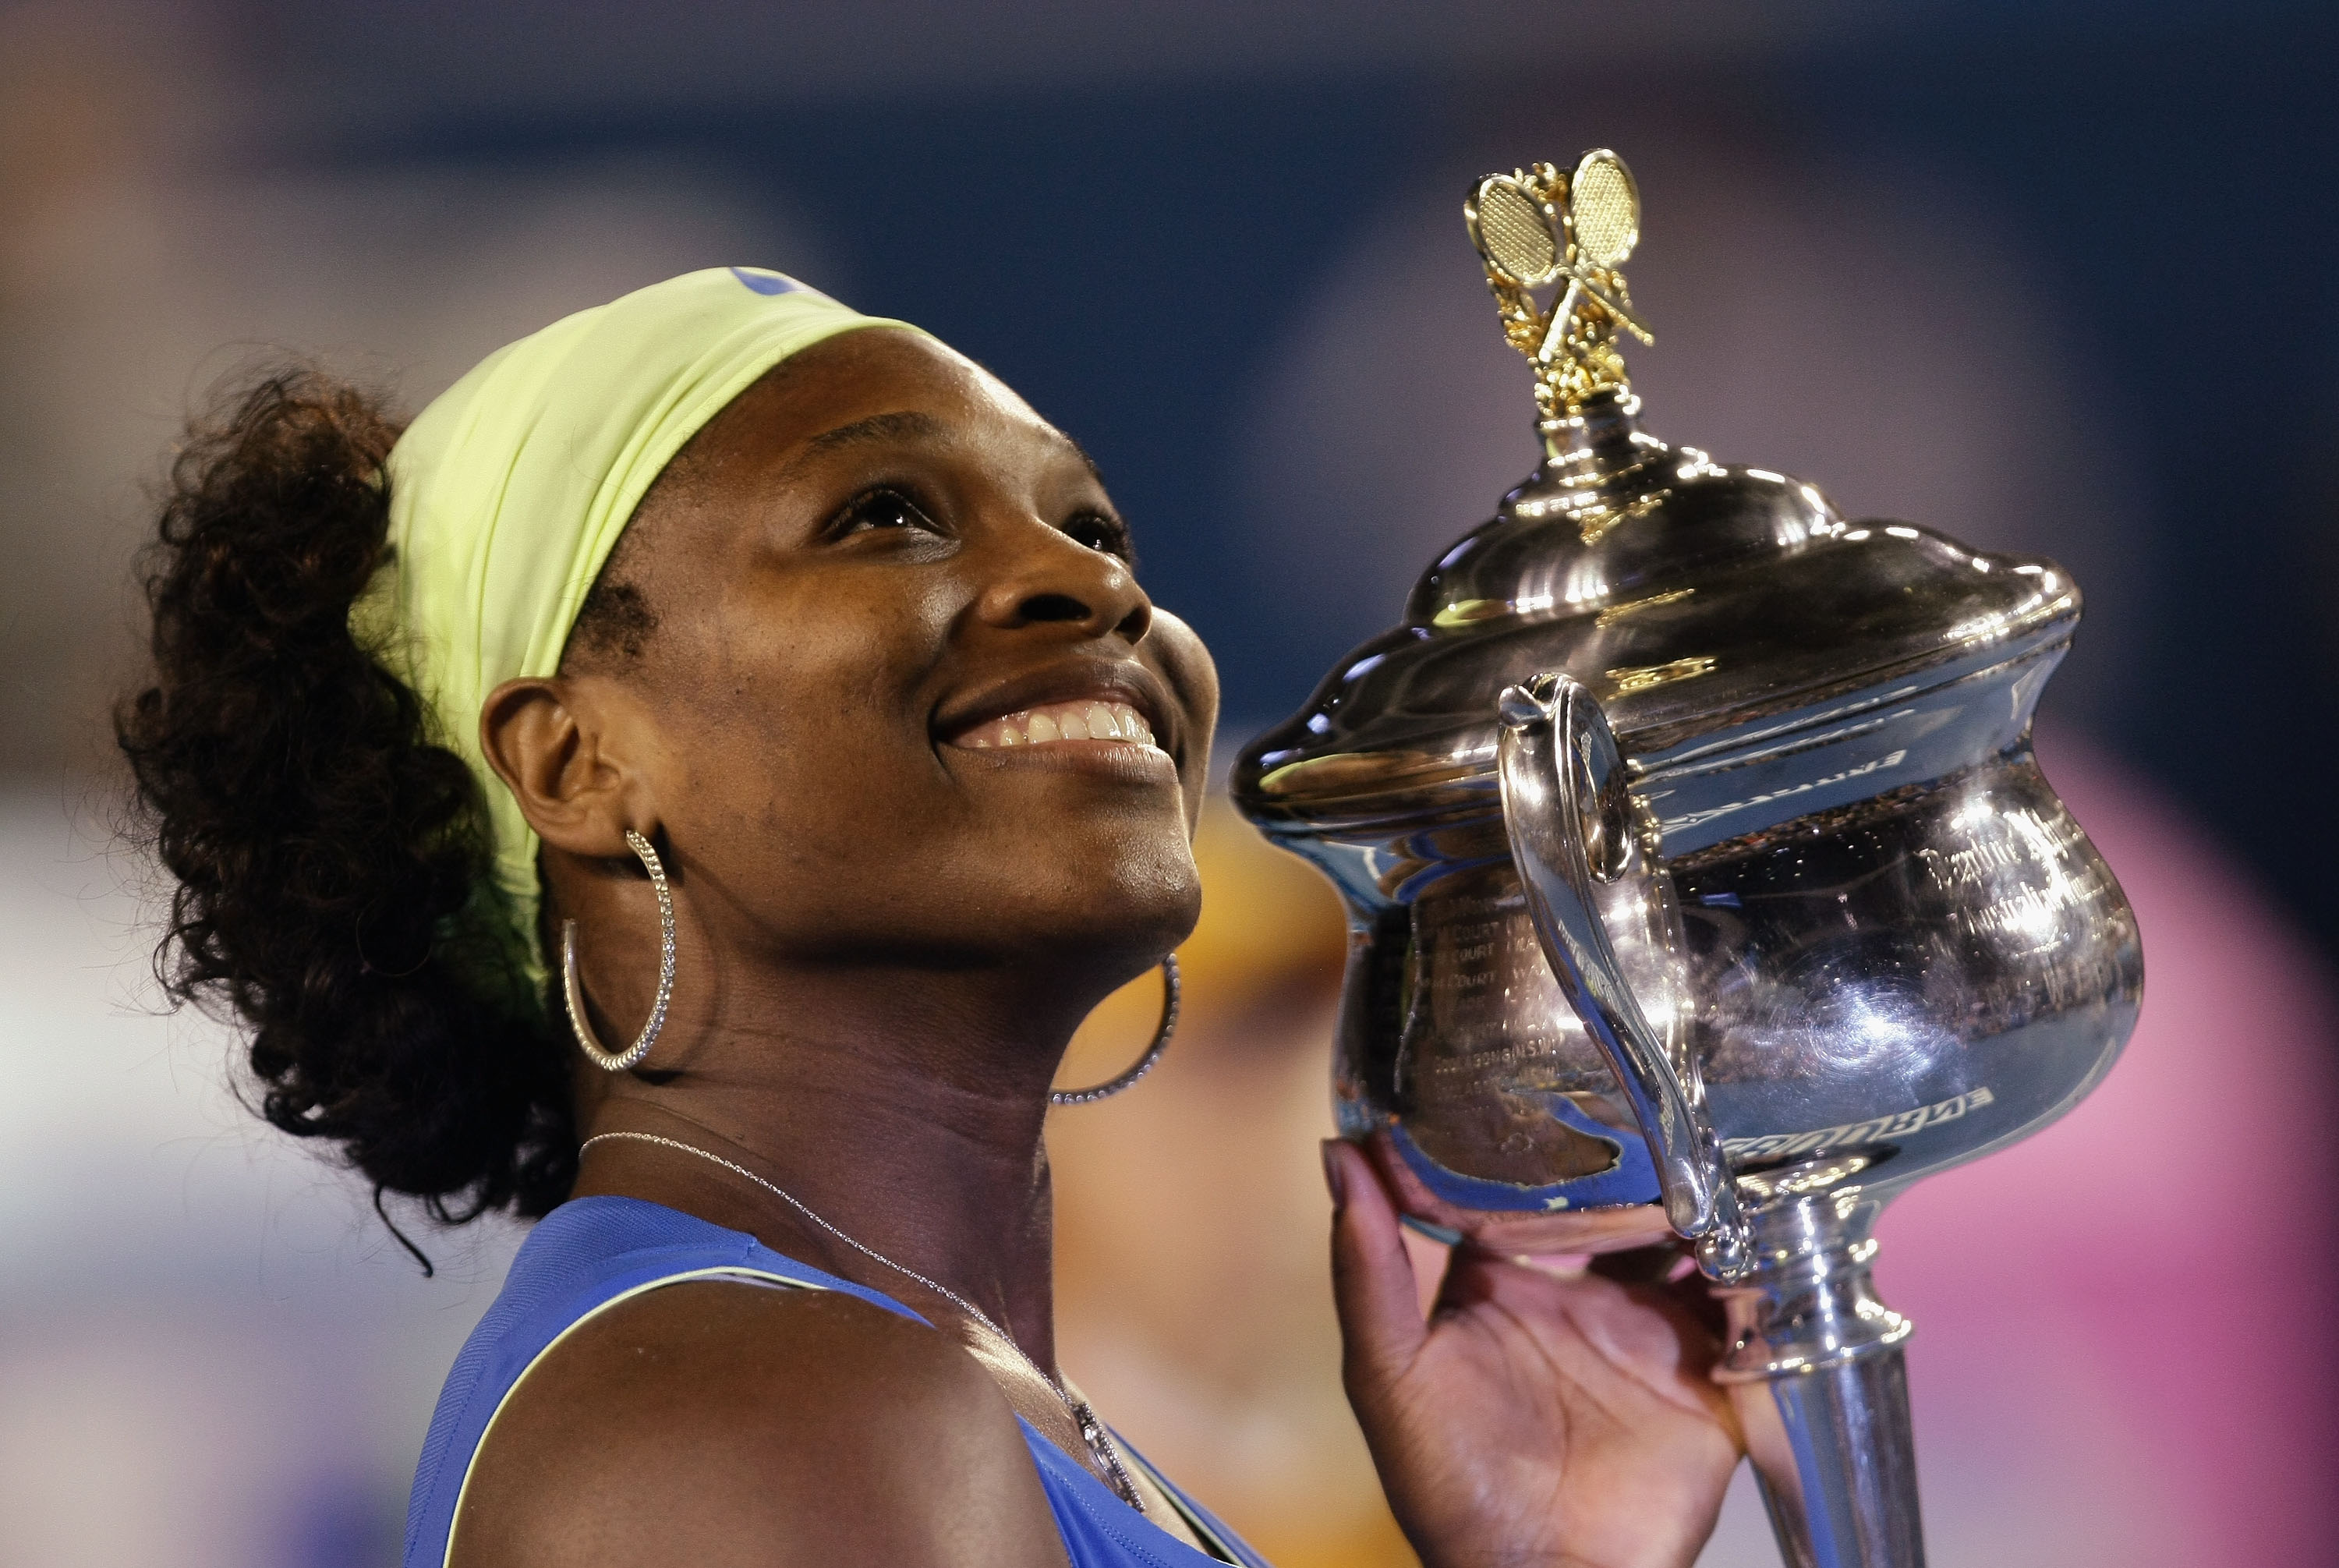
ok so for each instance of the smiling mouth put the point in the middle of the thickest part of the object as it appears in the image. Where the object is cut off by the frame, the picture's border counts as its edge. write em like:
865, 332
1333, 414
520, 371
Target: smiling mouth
1053, 723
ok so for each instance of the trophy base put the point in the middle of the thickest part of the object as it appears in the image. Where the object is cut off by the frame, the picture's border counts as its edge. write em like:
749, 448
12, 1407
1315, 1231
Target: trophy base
1837, 1464
1816, 1374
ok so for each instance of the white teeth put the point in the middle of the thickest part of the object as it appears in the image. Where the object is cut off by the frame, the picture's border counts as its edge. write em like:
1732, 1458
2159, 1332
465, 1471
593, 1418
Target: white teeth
1084, 720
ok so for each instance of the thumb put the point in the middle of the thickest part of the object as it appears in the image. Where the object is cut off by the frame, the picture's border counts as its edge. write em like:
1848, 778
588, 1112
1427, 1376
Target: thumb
1381, 1326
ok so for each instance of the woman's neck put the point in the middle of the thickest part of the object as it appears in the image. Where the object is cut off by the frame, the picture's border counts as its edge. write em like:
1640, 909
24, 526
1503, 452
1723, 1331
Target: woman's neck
905, 1107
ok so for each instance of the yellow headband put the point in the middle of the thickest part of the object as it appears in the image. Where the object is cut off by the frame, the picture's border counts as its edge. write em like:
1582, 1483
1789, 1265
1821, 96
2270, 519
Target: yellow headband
508, 493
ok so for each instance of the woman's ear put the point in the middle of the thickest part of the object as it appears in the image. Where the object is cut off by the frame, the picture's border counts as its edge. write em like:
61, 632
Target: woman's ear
552, 743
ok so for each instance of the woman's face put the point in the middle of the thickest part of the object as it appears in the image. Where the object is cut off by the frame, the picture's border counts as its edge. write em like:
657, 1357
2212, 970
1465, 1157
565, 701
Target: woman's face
888, 600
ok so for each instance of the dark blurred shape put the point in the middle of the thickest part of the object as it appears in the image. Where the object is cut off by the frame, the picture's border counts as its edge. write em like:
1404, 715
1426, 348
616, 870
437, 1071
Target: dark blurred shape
441, 59
340, 1520
1131, 214
144, 257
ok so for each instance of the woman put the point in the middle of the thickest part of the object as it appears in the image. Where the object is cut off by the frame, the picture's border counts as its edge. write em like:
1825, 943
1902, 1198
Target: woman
766, 686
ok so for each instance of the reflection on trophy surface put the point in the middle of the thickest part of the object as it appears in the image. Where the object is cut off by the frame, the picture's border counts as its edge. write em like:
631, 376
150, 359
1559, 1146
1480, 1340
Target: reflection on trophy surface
1694, 853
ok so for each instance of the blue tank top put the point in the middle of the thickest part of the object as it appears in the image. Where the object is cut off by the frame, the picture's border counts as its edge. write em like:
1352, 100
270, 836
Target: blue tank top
590, 1253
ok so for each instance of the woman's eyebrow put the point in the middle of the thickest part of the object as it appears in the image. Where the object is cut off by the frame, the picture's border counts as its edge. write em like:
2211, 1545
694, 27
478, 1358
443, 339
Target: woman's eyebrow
905, 426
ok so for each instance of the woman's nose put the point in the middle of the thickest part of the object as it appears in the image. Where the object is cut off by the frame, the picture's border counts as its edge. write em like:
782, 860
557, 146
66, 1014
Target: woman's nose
1057, 580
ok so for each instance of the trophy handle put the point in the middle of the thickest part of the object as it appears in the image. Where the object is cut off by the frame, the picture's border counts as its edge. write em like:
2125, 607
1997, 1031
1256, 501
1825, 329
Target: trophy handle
1568, 815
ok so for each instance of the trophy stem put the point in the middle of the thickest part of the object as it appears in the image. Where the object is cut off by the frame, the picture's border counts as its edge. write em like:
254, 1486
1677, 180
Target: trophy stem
1592, 441
1821, 1388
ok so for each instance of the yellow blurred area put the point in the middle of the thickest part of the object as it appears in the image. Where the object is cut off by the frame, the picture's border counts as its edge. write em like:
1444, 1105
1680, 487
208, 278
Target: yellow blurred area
1193, 1297
1268, 922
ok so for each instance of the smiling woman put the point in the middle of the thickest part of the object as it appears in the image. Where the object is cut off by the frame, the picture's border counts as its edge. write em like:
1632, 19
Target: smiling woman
786, 675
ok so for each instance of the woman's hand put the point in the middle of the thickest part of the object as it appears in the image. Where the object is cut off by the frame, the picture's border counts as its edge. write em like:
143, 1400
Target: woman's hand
1536, 1418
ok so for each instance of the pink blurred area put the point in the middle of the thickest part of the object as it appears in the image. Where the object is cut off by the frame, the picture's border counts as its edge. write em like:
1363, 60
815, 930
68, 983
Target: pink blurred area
2124, 1323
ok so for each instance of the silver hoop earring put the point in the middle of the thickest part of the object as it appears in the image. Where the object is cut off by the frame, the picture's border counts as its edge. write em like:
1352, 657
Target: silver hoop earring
1168, 1026
617, 1061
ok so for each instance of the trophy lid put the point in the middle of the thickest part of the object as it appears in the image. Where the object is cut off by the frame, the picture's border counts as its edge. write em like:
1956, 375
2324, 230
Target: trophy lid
1692, 597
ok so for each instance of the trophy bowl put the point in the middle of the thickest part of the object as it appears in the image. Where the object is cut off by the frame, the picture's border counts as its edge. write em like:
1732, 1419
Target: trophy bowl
1695, 855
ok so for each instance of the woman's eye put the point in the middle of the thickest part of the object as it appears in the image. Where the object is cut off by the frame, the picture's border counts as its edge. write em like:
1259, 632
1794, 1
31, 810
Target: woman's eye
882, 510
1099, 532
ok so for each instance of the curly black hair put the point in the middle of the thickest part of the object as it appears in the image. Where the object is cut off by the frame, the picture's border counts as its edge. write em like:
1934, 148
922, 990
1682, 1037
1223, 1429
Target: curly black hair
331, 860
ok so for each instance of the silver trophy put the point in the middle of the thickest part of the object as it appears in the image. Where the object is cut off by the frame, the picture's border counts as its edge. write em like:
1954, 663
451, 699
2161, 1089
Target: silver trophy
1694, 852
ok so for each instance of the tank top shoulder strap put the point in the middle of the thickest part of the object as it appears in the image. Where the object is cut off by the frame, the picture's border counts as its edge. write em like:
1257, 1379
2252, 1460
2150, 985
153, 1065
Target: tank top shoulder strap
583, 1258
592, 1252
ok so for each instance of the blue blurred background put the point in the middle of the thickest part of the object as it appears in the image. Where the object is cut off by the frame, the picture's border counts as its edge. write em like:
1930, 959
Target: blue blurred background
2052, 277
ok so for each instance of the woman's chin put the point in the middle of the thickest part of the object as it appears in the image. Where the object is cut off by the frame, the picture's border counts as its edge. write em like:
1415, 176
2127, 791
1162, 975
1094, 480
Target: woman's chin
1118, 928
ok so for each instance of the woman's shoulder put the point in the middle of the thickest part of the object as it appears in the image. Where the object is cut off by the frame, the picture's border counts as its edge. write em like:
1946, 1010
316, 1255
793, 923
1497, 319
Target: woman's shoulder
715, 1422
673, 1406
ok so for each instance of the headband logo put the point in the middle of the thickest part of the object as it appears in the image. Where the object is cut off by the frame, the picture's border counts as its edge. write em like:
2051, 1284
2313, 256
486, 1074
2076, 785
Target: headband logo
765, 283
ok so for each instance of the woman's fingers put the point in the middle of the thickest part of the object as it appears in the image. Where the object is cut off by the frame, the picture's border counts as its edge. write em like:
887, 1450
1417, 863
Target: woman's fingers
1372, 1275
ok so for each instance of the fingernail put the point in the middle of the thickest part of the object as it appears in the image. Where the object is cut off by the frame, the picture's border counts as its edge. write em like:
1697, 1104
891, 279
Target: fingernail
1336, 1174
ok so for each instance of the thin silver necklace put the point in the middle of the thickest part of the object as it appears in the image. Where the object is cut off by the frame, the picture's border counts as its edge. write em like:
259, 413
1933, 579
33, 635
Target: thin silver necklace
1092, 1431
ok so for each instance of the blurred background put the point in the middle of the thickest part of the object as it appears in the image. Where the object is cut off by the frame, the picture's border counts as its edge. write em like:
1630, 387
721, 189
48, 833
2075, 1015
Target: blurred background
2052, 277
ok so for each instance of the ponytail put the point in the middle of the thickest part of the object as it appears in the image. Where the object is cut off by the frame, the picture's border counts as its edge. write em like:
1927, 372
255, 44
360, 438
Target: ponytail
328, 854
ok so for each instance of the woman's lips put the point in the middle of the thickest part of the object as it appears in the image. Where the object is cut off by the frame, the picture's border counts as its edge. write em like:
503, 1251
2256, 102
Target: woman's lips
1053, 723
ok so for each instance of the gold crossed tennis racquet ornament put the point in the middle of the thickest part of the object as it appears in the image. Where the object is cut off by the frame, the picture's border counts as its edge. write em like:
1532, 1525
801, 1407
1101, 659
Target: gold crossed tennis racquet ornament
1537, 228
